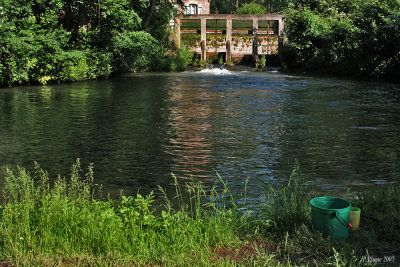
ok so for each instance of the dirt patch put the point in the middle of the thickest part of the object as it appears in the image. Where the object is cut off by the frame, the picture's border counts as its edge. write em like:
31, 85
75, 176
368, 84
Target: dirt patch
5, 264
244, 252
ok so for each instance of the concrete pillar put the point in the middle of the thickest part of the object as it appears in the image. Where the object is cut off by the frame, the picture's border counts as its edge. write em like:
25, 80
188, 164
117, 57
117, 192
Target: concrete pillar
228, 52
255, 40
203, 39
281, 27
281, 32
177, 32
228, 40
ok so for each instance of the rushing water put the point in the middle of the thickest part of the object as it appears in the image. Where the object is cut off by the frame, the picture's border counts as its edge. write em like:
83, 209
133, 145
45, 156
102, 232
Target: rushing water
138, 129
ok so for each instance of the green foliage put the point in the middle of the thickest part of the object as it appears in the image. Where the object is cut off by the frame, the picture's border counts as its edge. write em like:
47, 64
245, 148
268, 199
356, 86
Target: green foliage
378, 51
182, 58
263, 62
232, 6
41, 223
135, 51
252, 8
100, 64
72, 65
383, 203
29, 39
309, 35
202, 64
220, 59
47, 224
223, 6
347, 37
191, 39
161, 16
138, 211
289, 203
117, 18
60, 40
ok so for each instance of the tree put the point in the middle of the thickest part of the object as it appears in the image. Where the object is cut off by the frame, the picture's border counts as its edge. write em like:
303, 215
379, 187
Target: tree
68, 40
252, 8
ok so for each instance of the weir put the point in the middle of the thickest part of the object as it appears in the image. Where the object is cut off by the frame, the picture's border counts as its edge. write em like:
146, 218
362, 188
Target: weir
232, 36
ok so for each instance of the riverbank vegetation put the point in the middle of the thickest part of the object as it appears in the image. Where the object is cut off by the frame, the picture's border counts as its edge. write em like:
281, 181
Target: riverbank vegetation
69, 223
65, 40
345, 37
60, 40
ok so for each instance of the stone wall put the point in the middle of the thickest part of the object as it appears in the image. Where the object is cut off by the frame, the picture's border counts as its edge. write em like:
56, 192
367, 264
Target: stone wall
241, 44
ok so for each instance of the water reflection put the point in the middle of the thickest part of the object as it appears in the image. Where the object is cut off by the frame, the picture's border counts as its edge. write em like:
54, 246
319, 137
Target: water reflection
188, 128
337, 132
137, 129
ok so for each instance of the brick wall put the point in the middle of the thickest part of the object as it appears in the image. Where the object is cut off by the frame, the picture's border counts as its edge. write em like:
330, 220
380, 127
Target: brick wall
205, 5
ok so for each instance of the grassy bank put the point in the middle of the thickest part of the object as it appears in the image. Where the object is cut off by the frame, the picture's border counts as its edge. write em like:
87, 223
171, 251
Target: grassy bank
70, 223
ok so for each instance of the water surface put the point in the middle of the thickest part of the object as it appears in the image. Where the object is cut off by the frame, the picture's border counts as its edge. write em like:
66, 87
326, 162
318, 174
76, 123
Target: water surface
138, 129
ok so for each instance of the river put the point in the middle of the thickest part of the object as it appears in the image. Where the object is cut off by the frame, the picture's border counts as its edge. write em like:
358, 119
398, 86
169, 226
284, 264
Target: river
137, 129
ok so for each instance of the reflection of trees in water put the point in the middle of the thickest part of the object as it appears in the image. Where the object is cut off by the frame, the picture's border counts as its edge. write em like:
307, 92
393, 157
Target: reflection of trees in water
42, 124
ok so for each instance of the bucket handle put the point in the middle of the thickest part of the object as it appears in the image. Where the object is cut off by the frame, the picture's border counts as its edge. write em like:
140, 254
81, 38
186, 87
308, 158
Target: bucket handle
343, 220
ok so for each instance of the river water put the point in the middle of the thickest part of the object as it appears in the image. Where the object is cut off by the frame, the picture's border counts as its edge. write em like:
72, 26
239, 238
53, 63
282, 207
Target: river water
138, 129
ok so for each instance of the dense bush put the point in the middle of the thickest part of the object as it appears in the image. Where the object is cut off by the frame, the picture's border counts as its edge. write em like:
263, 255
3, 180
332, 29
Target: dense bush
316, 40
349, 37
29, 39
252, 8
136, 51
60, 40
181, 59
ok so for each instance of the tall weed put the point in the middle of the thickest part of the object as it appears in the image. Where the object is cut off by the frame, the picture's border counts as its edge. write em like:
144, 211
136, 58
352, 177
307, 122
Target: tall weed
288, 206
44, 224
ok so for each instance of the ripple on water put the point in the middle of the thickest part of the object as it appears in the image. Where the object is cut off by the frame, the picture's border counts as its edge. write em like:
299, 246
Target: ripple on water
139, 128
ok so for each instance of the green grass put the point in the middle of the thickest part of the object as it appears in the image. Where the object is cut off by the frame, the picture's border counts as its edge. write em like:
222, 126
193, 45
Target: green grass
290, 213
69, 223
64, 223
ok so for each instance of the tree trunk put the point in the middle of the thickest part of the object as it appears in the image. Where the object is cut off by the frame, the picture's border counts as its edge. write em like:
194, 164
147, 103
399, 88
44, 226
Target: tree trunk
69, 24
149, 13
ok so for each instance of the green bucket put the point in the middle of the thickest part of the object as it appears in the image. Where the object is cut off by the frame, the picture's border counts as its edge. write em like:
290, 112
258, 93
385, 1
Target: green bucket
330, 216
